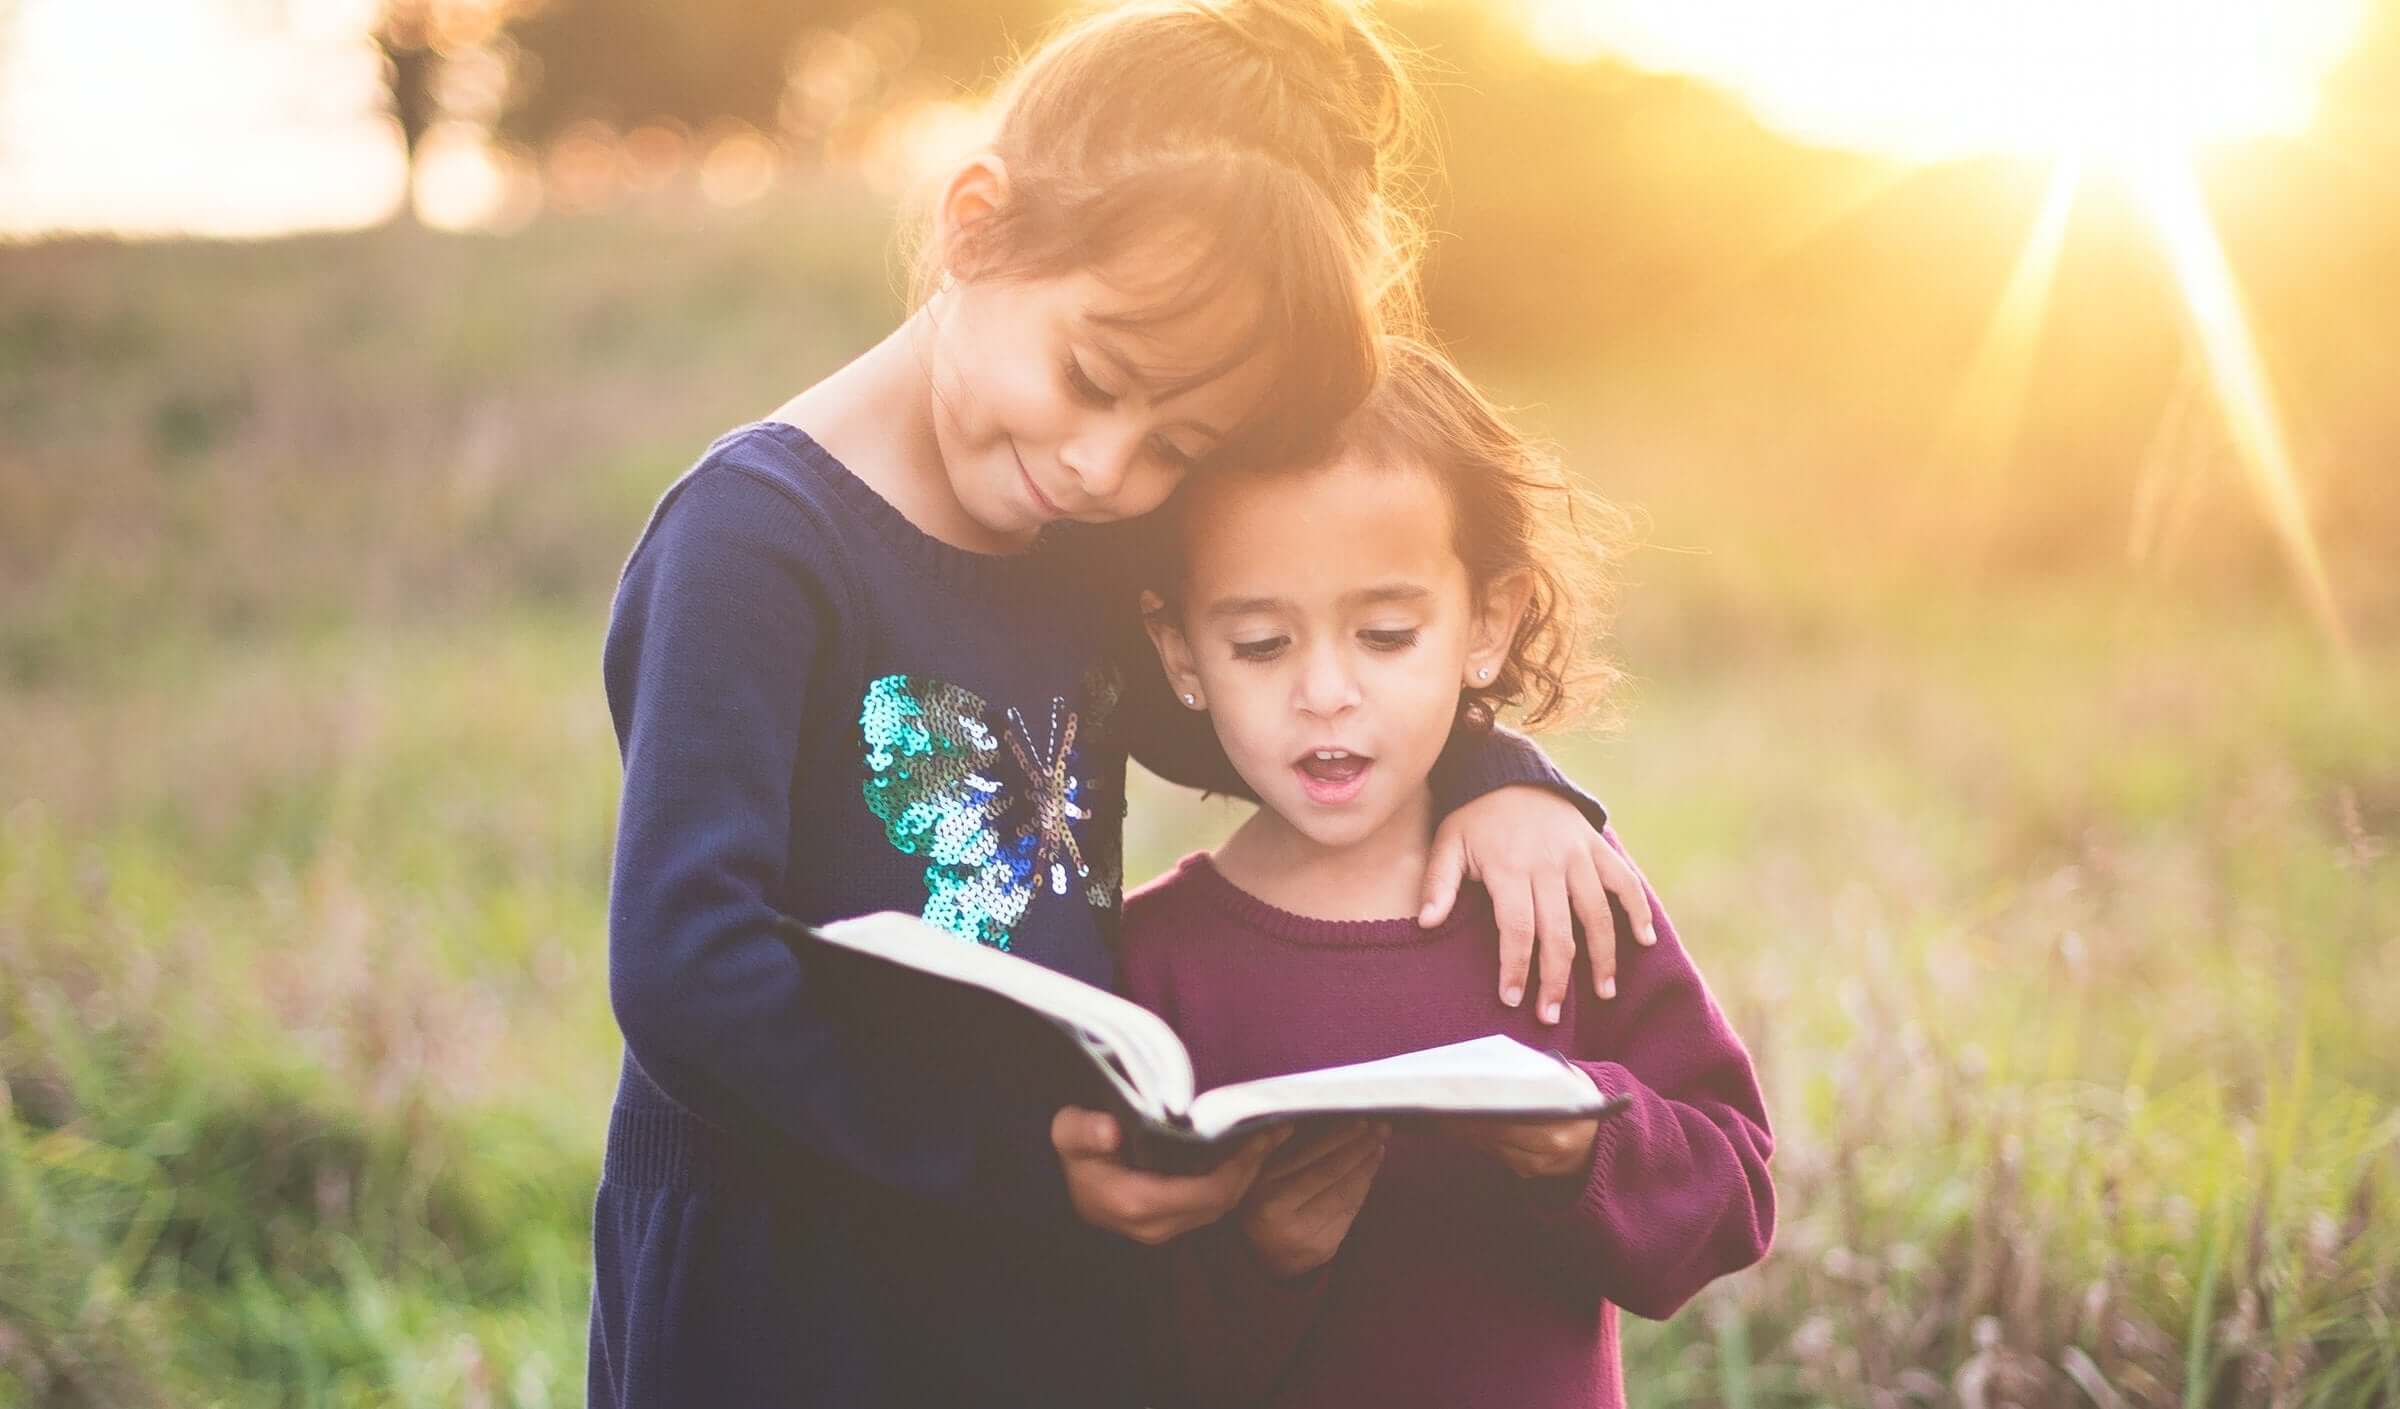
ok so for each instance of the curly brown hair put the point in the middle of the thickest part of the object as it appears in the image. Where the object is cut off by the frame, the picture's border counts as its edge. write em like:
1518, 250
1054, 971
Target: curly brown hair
1513, 511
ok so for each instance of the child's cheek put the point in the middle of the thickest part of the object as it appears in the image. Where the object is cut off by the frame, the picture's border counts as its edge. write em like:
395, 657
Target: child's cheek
1431, 707
1247, 719
1031, 410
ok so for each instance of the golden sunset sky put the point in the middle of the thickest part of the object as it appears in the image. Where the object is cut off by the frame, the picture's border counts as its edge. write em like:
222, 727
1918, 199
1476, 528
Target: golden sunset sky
247, 117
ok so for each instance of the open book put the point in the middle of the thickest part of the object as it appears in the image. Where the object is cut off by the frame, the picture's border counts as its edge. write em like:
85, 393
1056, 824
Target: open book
1142, 1069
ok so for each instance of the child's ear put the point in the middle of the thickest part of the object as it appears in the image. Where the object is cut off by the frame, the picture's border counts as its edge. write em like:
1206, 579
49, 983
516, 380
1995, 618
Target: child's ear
1174, 652
976, 191
1495, 627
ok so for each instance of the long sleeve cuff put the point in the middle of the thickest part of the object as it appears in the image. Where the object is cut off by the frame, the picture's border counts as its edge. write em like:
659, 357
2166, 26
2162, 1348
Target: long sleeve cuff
1672, 1199
1475, 764
1580, 1203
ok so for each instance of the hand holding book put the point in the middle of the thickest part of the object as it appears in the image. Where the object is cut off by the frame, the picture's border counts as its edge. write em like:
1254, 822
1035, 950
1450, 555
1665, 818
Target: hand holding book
1304, 1201
1147, 1207
1532, 1149
1064, 1043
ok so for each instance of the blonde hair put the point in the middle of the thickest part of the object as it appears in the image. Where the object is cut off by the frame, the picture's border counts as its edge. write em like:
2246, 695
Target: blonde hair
1283, 133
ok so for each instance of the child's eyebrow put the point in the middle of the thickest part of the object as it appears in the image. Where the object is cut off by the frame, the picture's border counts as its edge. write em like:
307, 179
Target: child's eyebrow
1362, 597
1388, 592
1242, 606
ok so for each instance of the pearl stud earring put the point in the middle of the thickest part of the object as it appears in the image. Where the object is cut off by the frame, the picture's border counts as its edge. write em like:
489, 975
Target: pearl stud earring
1483, 673
1187, 699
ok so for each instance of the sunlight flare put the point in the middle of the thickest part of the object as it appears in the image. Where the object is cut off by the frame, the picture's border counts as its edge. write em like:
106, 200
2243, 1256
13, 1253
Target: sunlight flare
2170, 197
1936, 81
1983, 422
2133, 90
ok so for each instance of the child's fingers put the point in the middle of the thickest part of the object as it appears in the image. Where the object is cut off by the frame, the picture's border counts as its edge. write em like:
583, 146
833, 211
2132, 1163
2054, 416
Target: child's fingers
1512, 915
1480, 1131
1301, 1151
1549, 1147
1530, 1147
1084, 1134
1444, 869
1621, 880
1204, 1197
1254, 1153
1526, 1137
1153, 1208
1348, 1186
1590, 899
1554, 939
1322, 1160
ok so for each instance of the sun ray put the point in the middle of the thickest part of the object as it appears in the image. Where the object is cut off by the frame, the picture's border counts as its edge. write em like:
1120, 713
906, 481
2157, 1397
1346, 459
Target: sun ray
1982, 426
2169, 194
2170, 466
2112, 87
1783, 236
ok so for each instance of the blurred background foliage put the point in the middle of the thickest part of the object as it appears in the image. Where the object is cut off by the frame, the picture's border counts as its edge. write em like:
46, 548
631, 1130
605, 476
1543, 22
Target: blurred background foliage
2021, 812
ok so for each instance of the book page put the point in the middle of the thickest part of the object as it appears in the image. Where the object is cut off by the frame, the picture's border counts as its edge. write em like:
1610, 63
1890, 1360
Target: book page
1131, 1044
1485, 1076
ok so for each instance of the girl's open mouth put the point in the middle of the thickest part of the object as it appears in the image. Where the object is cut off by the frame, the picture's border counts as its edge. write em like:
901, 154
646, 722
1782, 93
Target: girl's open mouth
1332, 776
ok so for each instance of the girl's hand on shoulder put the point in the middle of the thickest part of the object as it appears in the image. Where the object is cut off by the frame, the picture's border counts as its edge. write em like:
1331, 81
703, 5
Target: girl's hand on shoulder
1148, 1208
1532, 1149
1546, 870
1304, 1202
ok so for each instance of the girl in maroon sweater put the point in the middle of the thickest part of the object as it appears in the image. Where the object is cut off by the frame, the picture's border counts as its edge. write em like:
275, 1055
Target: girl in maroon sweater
1338, 625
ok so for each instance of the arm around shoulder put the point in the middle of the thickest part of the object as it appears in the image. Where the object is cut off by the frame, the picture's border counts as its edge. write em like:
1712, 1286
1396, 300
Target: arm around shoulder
1483, 761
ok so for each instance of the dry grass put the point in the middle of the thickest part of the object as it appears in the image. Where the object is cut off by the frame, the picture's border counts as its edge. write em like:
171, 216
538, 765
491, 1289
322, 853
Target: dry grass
2060, 912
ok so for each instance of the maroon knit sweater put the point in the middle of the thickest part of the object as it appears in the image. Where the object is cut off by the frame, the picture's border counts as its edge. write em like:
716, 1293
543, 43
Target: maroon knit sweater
1460, 1283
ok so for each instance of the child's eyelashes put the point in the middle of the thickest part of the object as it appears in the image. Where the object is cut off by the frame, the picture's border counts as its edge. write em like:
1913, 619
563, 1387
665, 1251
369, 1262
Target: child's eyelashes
1084, 386
1269, 647
1172, 455
1079, 381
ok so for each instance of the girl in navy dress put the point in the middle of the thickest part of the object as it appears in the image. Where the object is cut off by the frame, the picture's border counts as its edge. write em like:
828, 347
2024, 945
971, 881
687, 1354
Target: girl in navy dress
870, 653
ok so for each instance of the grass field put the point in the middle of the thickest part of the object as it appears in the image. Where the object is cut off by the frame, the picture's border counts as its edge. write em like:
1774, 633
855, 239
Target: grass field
2059, 909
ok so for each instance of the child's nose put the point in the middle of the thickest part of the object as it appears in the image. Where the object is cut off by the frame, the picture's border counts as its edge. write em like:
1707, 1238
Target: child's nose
1100, 459
1327, 687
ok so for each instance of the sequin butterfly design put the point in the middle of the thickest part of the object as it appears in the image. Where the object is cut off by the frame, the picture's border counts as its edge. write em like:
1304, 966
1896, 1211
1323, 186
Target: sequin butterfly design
998, 806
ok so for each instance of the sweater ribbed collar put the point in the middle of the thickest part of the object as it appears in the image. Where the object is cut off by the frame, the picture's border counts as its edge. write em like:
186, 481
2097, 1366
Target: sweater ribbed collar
947, 564
1199, 874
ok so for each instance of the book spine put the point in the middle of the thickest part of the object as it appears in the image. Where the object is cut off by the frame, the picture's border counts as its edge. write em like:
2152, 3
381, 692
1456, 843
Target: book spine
1158, 1149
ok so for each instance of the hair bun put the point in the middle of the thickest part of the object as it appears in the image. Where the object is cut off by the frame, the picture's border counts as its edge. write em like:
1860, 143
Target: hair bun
1196, 88
1353, 73
1345, 60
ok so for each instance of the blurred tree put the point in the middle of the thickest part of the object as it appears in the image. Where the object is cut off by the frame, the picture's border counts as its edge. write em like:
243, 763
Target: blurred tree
8, 25
625, 62
422, 40
406, 36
